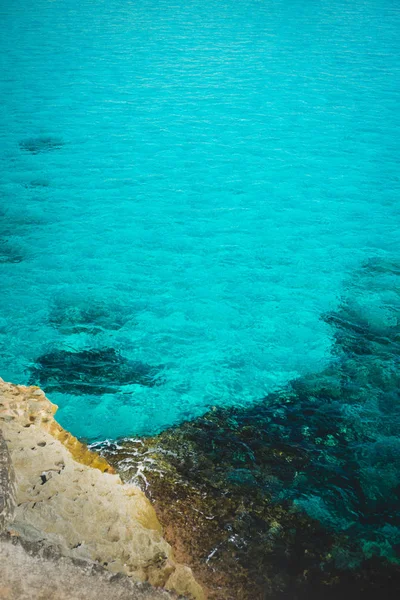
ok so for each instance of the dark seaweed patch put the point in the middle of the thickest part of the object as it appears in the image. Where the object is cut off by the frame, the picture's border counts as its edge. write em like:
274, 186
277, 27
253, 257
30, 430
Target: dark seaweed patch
39, 144
101, 371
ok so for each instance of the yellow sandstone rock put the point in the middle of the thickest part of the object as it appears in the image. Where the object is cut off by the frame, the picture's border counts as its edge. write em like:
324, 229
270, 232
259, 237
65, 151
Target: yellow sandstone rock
71, 498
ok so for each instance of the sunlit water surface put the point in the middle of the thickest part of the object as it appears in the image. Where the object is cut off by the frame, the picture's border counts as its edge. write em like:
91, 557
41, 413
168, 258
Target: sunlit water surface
186, 188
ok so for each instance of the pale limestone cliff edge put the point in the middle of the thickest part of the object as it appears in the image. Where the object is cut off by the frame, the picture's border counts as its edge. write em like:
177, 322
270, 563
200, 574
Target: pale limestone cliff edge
69, 497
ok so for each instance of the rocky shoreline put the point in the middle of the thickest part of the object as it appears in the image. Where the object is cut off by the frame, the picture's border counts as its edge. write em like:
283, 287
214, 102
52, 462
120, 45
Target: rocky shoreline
241, 542
295, 497
66, 502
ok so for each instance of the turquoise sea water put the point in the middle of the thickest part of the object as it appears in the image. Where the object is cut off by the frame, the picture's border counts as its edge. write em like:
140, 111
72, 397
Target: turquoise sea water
186, 188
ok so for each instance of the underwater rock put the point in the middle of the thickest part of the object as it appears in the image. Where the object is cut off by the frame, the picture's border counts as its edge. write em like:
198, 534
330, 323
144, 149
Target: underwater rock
38, 183
10, 253
96, 371
245, 540
298, 495
87, 315
69, 500
39, 144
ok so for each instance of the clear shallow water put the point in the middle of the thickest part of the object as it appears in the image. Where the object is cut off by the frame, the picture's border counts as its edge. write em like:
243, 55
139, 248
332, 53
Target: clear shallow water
186, 188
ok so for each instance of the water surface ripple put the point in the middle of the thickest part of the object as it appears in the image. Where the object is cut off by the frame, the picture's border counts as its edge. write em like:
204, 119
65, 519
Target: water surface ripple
186, 187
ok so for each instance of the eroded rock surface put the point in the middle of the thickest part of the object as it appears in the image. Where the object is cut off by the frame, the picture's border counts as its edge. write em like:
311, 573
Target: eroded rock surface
69, 498
7, 487
47, 575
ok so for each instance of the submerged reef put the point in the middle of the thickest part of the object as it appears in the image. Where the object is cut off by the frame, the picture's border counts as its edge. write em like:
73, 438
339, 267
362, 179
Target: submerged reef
68, 519
95, 371
71, 315
10, 252
39, 144
38, 183
14, 227
298, 495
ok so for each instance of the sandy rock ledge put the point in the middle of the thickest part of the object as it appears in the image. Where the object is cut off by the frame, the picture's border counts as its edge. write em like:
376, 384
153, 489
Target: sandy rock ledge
56, 493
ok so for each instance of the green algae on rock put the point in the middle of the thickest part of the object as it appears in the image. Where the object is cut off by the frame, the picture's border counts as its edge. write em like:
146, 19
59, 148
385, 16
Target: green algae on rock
240, 540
